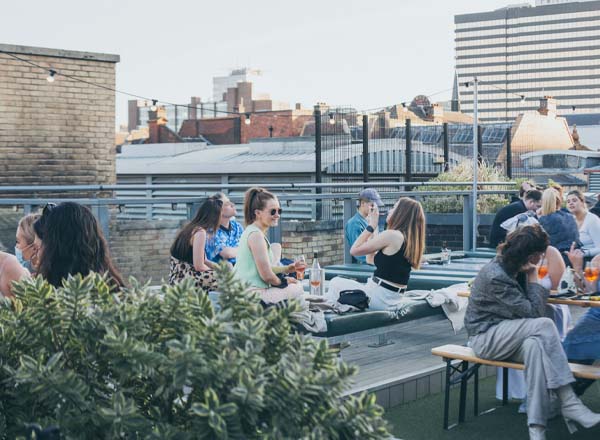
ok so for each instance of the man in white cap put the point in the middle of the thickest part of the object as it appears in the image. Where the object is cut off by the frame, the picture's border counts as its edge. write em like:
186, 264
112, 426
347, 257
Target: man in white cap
369, 202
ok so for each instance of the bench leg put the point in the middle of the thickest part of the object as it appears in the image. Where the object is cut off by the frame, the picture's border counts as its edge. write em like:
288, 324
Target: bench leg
504, 386
382, 341
463, 392
447, 392
476, 393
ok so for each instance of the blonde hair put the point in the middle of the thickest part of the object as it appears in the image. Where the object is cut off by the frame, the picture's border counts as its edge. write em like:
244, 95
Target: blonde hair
408, 217
26, 225
551, 201
256, 198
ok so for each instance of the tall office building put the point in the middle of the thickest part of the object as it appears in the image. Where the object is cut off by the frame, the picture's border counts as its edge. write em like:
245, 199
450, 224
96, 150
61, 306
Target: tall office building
548, 50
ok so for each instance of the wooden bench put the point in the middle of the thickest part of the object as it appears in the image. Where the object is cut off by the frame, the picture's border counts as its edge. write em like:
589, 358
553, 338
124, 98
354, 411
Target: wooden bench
461, 373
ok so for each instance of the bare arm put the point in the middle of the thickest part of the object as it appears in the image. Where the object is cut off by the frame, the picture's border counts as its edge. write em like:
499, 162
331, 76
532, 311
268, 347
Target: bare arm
13, 271
388, 238
556, 265
199, 255
228, 253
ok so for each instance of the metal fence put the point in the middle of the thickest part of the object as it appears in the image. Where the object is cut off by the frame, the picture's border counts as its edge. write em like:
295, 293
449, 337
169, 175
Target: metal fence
299, 201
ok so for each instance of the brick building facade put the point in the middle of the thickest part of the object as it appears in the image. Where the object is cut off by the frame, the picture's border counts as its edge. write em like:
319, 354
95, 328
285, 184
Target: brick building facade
61, 132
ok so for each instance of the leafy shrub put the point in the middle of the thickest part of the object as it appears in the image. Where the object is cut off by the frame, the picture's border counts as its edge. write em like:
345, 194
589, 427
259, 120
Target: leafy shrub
142, 364
463, 172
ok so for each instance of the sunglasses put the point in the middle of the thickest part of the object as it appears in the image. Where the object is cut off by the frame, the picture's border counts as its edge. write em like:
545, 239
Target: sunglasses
276, 211
49, 207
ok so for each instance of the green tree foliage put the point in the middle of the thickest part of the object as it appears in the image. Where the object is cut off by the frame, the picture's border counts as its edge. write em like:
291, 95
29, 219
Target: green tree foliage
463, 172
140, 364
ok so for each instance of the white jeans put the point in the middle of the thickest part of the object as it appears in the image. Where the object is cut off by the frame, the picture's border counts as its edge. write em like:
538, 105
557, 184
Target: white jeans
380, 297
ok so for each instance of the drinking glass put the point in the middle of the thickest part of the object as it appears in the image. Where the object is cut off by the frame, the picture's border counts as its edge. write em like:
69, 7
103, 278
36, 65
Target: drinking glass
590, 273
300, 263
315, 281
543, 269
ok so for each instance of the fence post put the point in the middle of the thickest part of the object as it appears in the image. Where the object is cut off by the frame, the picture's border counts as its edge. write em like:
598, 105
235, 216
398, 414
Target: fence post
446, 147
348, 213
365, 153
508, 154
149, 196
275, 233
318, 176
408, 154
467, 221
479, 144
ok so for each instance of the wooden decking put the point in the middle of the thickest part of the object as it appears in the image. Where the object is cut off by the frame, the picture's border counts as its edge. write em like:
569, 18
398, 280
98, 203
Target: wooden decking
406, 370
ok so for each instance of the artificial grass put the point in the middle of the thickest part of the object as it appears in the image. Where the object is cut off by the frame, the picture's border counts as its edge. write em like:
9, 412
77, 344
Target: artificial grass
422, 419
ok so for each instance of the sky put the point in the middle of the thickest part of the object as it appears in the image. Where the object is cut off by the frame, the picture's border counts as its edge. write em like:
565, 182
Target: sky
364, 54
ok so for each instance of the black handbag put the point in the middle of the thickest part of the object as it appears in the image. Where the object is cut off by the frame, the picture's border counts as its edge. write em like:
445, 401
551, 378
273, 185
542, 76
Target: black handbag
357, 298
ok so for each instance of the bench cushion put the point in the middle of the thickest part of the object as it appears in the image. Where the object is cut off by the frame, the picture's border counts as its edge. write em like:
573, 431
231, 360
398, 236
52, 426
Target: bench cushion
370, 319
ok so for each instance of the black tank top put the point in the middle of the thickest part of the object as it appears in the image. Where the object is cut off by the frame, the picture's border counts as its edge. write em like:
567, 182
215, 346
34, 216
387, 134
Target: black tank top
395, 268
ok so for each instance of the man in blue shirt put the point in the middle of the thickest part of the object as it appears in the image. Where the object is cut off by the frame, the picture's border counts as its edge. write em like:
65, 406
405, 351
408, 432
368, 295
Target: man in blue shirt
367, 200
224, 244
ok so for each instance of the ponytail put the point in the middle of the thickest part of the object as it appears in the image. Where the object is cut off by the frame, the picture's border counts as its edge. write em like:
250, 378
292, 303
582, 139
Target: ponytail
255, 199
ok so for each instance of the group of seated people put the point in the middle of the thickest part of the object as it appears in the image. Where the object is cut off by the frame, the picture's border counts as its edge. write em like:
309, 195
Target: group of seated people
63, 240
507, 315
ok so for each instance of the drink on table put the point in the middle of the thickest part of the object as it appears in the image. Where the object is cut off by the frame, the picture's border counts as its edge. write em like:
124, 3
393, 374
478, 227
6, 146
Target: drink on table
590, 273
315, 276
300, 267
445, 253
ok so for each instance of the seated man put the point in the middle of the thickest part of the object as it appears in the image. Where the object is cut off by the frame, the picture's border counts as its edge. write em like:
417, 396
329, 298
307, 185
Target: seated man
225, 242
531, 201
367, 200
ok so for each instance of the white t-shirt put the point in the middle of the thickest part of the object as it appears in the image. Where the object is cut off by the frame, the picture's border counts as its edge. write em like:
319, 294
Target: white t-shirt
589, 234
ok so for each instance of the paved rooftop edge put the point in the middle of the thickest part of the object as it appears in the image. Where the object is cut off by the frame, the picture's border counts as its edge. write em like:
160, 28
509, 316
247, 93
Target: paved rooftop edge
60, 53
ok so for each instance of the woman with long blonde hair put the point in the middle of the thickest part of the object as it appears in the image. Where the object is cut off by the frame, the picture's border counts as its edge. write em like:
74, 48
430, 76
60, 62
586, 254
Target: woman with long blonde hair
397, 251
559, 224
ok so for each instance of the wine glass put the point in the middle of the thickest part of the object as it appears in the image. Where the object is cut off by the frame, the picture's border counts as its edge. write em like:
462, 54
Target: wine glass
315, 281
543, 269
300, 263
590, 273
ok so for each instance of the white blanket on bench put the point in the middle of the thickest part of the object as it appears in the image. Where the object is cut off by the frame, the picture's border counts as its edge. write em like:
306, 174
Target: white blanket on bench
453, 305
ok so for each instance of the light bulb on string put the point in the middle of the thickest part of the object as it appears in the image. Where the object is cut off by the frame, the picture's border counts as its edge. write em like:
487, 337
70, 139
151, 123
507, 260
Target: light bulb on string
153, 107
247, 120
522, 99
331, 120
50, 78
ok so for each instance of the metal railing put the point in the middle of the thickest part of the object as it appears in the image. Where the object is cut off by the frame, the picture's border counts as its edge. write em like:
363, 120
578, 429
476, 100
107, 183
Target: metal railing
185, 207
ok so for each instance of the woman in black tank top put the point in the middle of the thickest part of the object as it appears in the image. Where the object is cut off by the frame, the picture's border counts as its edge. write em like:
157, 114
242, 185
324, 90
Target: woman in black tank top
397, 250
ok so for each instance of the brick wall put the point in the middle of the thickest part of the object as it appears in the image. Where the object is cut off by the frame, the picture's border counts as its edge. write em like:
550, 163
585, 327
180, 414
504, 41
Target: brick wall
140, 248
60, 132
324, 237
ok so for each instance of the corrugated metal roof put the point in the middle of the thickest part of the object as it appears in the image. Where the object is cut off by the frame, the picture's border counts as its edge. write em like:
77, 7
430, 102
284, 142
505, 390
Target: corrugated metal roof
256, 157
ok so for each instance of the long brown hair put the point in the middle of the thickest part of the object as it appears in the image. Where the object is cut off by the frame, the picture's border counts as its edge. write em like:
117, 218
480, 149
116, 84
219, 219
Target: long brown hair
256, 198
520, 245
207, 217
72, 243
408, 217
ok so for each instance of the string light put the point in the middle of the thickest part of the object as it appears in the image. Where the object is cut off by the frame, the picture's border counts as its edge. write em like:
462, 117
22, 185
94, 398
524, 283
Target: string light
153, 107
522, 99
247, 120
573, 107
331, 120
50, 78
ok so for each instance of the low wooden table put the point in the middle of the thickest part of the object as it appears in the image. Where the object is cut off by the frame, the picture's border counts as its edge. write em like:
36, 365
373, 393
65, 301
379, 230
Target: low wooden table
567, 301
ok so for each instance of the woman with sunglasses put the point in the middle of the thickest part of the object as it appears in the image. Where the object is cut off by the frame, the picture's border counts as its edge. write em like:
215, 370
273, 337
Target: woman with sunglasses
257, 258
188, 255
70, 242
